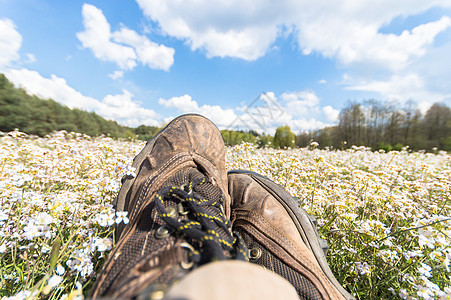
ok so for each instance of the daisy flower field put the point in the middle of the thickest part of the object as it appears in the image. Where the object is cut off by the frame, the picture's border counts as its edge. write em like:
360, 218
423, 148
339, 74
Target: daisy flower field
386, 216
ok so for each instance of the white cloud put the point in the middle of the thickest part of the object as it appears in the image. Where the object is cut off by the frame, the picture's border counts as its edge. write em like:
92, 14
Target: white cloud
127, 111
300, 102
121, 107
149, 53
248, 43
330, 113
408, 87
97, 37
54, 87
221, 28
322, 81
347, 30
116, 74
353, 33
185, 104
30, 58
355, 41
10, 42
124, 47
303, 124
304, 111
300, 110
435, 70
264, 115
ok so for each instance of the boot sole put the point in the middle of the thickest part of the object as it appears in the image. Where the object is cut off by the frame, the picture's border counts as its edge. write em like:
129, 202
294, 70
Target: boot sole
302, 220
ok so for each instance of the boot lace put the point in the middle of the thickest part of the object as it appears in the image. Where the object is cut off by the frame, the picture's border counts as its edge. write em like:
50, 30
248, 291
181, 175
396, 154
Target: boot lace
206, 226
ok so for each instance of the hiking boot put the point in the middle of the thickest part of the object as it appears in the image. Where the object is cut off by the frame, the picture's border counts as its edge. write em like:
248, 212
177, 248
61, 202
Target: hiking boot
177, 206
280, 235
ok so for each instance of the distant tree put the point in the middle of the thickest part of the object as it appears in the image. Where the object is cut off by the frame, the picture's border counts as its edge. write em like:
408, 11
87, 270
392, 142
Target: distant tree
33, 115
374, 123
254, 133
145, 133
398, 147
351, 124
232, 137
414, 133
265, 140
303, 139
284, 137
373, 119
371, 123
384, 146
437, 124
327, 137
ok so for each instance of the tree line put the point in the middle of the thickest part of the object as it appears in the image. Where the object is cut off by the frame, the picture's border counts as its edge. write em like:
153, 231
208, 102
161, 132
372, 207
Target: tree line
387, 126
33, 115
371, 123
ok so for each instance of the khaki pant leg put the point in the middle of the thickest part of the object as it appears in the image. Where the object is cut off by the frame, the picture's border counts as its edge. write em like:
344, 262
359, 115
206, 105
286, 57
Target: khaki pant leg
229, 280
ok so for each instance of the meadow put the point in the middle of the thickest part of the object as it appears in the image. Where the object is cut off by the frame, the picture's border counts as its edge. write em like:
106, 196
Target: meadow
386, 216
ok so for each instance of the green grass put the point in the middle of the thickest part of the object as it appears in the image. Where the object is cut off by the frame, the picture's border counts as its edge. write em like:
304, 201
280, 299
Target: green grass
385, 215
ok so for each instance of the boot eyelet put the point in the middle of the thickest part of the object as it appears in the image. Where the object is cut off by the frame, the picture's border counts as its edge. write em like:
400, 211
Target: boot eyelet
181, 209
255, 253
162, 233
172, 211
189, 264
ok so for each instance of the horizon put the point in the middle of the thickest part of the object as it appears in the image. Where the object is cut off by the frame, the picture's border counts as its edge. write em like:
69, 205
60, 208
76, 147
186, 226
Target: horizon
244, 66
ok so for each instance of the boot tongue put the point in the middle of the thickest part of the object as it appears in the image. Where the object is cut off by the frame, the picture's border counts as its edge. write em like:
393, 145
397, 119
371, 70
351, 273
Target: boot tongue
184, 176
206, 190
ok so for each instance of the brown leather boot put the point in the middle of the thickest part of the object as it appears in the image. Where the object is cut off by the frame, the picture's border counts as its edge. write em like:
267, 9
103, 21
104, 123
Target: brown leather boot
176, 209
280, 235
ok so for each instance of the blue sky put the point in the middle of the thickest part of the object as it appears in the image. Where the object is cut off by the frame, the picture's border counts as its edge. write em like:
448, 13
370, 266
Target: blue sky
245, 64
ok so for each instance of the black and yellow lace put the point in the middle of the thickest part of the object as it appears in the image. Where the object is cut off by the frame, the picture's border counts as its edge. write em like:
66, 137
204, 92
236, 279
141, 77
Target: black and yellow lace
205, 224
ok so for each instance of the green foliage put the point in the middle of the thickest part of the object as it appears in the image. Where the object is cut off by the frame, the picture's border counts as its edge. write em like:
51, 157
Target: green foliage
283, 137
386, 147
447, 144
371, 123
437, 125
398, 147
232, 137
265, 140
145, 133
325, 137
375, 123
33, 115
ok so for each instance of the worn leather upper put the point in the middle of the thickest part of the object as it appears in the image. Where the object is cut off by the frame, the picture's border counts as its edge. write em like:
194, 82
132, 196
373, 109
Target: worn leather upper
259, 211
189, 141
